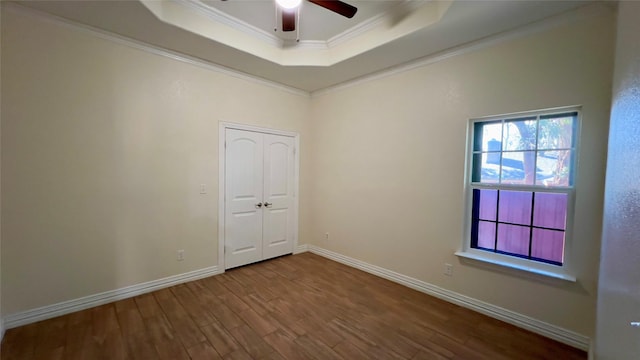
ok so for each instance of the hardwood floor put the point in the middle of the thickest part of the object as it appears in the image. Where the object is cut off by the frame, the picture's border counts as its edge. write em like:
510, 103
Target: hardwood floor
294, 307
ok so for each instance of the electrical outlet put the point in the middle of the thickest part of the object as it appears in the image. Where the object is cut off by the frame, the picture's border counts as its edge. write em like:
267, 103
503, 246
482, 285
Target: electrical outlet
448, 269
180, 255
326, 236
203, 188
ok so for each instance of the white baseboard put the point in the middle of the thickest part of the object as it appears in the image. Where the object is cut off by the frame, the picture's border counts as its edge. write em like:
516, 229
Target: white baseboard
545, 329
66, 307
301, 248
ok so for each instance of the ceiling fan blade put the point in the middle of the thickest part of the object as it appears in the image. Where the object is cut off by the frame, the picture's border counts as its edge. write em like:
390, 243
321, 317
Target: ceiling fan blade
288, 20
339, 7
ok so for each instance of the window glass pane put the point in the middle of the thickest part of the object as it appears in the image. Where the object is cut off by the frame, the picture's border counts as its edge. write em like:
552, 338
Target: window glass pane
550, 210
516, 157
486, 235
488, 204
513, 239
517, 167
515, 207
554, 168
556, 133
485, 168
487, 136
548, 245
519, 135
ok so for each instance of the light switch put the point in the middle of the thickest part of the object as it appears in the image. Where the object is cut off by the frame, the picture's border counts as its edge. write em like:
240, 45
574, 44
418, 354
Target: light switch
203, 188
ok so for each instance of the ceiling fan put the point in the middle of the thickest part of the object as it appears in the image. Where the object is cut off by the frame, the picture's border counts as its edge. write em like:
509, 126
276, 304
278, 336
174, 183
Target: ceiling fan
291, 7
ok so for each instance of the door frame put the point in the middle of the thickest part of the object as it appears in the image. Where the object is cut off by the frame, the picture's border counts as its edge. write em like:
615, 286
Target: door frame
222, 129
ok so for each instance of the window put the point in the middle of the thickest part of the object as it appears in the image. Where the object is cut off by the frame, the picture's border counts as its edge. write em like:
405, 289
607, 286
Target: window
521, 186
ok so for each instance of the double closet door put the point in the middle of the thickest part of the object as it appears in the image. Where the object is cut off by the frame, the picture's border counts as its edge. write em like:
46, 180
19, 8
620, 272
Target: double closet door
259, 196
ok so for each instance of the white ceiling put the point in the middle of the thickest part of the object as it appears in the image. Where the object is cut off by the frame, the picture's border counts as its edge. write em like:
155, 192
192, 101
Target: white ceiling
316, 23
238, 34
383, 25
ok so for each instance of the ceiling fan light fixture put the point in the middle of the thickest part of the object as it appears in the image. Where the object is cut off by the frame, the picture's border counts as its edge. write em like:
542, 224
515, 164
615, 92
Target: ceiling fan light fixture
289, 4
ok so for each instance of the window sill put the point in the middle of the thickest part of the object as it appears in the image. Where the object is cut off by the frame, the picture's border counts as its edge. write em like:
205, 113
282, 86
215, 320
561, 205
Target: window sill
523, 268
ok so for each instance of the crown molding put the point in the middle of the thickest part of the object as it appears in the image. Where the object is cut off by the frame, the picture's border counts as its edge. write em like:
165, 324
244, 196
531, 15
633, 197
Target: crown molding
582, 13
224, 18
571, 16
372, 23
151, 49
197, 17
214, 14
308, 44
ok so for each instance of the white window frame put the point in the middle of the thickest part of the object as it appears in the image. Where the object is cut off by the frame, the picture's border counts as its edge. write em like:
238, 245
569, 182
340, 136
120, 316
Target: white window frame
503, 261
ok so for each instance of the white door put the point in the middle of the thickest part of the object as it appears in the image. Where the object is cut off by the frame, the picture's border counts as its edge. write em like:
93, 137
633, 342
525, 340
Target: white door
259, 197
277, 227
243, 197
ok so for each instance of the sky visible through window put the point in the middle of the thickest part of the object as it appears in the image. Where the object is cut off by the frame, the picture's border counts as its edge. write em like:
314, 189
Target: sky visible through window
509, 151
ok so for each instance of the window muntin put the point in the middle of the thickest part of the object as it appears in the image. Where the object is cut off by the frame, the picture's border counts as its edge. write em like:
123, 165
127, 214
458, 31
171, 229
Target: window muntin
525, 224
522, 176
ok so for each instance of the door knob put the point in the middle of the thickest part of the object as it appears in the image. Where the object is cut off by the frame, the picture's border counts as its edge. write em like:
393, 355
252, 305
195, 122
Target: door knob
267, 204
259, 205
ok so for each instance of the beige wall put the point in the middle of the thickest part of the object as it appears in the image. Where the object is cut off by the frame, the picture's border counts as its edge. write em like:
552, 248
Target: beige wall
619, 291
103, 149
388, 163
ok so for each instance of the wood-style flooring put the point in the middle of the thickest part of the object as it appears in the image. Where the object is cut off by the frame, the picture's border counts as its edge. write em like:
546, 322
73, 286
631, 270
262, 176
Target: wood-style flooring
294, 307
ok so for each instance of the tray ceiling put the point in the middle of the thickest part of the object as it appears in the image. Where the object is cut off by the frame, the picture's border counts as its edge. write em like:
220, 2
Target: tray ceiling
238, 34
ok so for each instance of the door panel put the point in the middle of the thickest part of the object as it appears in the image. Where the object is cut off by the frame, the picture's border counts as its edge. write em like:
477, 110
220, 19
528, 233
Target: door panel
278, 225
243, 190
